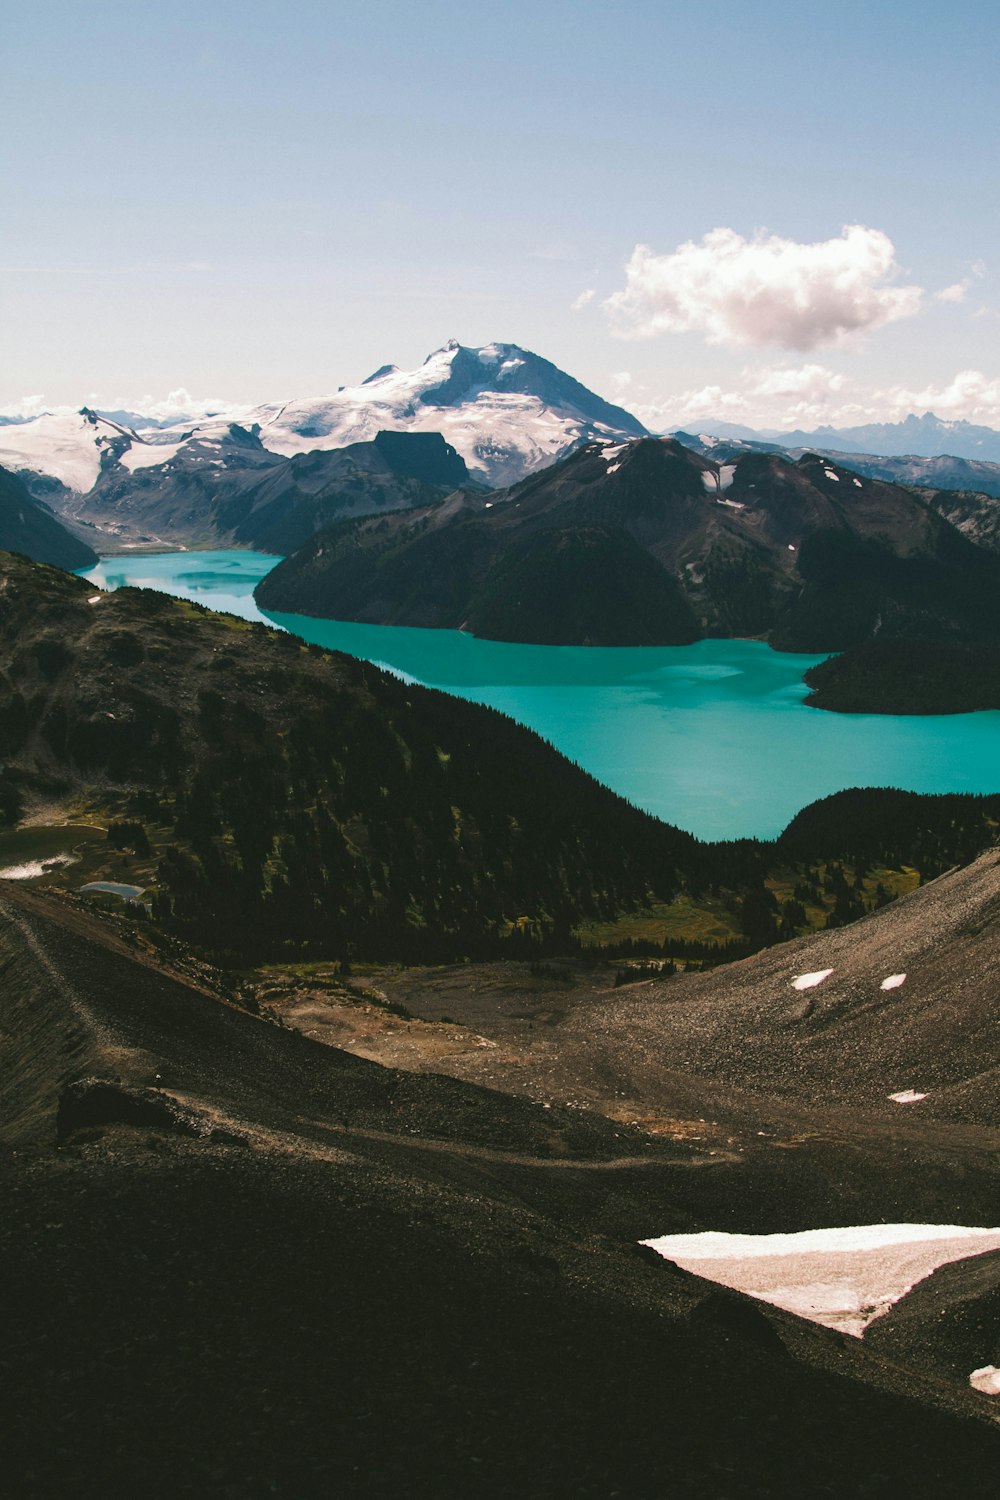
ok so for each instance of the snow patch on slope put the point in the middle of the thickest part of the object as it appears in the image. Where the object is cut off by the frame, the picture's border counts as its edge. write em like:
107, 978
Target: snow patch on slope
810, 981
843, 1278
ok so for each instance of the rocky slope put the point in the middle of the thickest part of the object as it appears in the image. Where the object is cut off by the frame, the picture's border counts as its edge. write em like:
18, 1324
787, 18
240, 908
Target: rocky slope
287, 1230
907, 1004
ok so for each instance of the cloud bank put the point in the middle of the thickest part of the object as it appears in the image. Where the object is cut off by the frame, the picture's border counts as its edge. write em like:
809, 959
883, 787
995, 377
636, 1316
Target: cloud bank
780, 398
766, 291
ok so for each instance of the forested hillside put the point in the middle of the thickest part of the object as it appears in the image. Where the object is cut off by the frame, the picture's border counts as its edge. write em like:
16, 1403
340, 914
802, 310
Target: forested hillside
307, 802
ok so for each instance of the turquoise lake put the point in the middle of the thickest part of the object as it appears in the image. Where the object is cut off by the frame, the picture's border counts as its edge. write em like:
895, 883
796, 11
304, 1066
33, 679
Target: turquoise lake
713, 737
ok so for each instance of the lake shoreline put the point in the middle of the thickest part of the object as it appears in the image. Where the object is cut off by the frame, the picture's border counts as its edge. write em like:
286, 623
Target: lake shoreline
714, 738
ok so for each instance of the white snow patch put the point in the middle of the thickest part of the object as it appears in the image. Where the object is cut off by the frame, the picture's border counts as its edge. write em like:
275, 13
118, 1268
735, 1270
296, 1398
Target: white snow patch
858, 483
95, 598
893, 982
710, 480
843, 1278
831, 475
145, 455
64, 445
726, 473
987, 1380
791, 546
907, 1096
809, 981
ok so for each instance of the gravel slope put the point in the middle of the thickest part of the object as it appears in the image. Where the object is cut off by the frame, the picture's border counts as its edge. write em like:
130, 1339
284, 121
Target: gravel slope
275, 1269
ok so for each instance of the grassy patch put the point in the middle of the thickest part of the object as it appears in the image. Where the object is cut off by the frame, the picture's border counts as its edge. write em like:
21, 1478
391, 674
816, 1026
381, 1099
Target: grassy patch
704, 922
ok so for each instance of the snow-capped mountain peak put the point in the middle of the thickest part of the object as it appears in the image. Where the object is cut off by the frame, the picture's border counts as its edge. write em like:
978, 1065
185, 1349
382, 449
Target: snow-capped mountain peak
508, 412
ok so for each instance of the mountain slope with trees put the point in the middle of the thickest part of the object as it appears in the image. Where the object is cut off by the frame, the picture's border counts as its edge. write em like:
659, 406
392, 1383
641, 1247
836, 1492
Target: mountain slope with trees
312, 804
315, 798
28, 526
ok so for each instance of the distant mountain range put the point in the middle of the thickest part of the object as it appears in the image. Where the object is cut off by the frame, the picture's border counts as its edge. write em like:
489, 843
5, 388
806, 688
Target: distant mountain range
927, 436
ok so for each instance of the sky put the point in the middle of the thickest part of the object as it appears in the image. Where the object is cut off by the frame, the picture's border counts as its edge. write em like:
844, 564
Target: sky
774, 213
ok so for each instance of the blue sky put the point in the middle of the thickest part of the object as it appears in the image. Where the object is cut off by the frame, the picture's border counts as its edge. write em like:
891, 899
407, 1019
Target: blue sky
254, 201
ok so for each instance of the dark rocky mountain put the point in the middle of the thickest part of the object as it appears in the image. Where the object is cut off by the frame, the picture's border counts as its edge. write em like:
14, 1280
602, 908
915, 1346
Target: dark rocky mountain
227, 488
938, 472
964, 491
27, 525
650, 543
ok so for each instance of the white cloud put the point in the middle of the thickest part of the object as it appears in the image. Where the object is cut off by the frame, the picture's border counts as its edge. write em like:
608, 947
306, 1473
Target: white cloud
970, 395
954, 293
176, 405
28, 406
767, 291
810, 396
583, 299
801, 383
